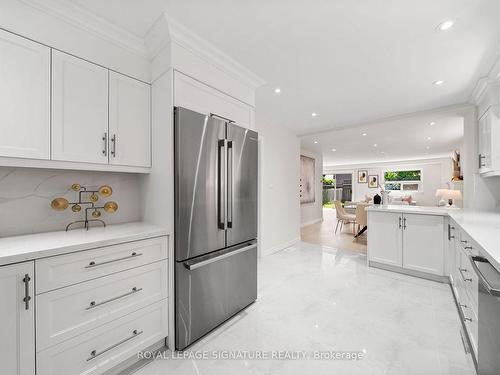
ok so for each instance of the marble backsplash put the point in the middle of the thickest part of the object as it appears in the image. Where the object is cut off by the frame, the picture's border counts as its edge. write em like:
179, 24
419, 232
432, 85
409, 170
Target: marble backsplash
26, 194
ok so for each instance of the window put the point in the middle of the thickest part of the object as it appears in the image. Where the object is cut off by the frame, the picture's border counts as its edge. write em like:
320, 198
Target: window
403, 181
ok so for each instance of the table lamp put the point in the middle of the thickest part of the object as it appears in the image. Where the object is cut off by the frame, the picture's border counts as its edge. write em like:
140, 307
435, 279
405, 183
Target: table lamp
439, 194
452, 196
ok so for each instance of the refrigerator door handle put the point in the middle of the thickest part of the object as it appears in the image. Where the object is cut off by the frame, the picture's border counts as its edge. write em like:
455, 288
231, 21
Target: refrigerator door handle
190, 265
230, 184
222, 183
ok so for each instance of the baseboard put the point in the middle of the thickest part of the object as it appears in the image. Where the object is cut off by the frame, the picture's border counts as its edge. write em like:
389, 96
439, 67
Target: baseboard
280, 247
311, 222
421, 275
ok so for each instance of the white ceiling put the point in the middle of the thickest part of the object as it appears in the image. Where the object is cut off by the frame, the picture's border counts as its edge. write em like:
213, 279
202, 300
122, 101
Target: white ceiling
349, 61
405, 138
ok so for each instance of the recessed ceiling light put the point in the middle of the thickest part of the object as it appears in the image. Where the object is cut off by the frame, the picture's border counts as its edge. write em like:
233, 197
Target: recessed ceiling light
334, 149
428, 147
315, 141
375, 145
446, 25
382, 152
429, 138
314, 114
364, 134
438, 82
432, 123
277, 90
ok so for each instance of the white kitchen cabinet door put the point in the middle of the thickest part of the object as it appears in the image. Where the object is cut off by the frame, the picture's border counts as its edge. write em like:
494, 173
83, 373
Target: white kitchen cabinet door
423, 243
385, 238
17, 331
484, 142
195, 95
129, 121
79, 110
25, 98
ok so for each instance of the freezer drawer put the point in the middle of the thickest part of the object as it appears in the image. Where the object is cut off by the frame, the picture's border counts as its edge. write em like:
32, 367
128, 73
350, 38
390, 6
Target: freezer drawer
212, 288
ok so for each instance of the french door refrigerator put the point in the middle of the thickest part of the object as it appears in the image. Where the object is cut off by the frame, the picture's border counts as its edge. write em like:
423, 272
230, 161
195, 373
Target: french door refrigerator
215, 222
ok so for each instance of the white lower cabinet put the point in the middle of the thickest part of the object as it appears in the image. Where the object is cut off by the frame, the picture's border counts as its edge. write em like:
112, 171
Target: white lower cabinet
386, 238
423, 243
94, 309
17, 346
410, 241
99, 350
68, 312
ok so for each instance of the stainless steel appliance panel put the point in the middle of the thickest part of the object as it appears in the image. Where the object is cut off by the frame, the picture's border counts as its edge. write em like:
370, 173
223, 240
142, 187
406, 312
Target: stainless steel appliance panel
212, 288
488, 349
242, 164
199, 156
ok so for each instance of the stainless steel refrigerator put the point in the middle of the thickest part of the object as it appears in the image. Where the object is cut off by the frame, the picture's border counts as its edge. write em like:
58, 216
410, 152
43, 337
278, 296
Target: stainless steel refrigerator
216, 169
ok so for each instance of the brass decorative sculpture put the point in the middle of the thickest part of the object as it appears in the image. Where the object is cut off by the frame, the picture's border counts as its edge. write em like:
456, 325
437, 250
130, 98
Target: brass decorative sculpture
91, 198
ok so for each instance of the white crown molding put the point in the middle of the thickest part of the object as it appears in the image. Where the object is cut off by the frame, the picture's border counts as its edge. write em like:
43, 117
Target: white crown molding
85, 20
167, 30
493, 78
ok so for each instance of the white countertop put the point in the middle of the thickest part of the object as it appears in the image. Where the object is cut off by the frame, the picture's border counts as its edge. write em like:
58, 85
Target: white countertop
442, 211
34, 246
481, 226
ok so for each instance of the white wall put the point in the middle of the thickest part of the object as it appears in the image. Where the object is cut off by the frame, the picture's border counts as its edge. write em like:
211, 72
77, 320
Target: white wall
26, 194
311, 213
435, 174
279, 213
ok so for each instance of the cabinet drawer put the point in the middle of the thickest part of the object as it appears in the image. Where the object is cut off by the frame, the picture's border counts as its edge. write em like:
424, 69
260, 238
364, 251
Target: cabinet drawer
68, 312
103, 348
64, 270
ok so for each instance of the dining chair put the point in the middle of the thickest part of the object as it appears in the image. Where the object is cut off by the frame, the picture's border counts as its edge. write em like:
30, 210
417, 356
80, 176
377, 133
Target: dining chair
343, 217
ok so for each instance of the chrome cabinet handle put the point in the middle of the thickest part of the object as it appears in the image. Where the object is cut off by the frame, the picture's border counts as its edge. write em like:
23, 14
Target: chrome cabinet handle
400, 222
105, 139
404, 223
93, 264
462, 270
450, 228
93, 304
481, 158
468, 247
94, 353
467, 319
113, 149
463, 241
27, 297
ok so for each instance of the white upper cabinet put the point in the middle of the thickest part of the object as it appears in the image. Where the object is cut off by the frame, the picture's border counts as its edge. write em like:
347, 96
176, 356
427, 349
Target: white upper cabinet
25, 98
17, 346
129, 121
79, 110
192, 94
488, 149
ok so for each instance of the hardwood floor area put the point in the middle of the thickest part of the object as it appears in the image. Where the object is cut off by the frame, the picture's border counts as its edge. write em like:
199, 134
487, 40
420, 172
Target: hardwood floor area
323, 233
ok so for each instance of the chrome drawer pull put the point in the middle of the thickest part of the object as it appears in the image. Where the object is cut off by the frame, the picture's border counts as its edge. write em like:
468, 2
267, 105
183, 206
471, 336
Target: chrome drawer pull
93, 304
94, 353
94, 264
467, 319
463, 277
27, 297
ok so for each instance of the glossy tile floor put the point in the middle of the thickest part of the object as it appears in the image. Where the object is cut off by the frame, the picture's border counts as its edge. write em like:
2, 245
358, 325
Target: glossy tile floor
314, 298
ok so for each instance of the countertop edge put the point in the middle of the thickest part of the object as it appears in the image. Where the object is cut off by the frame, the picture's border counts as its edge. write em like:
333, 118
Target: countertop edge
18, 254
